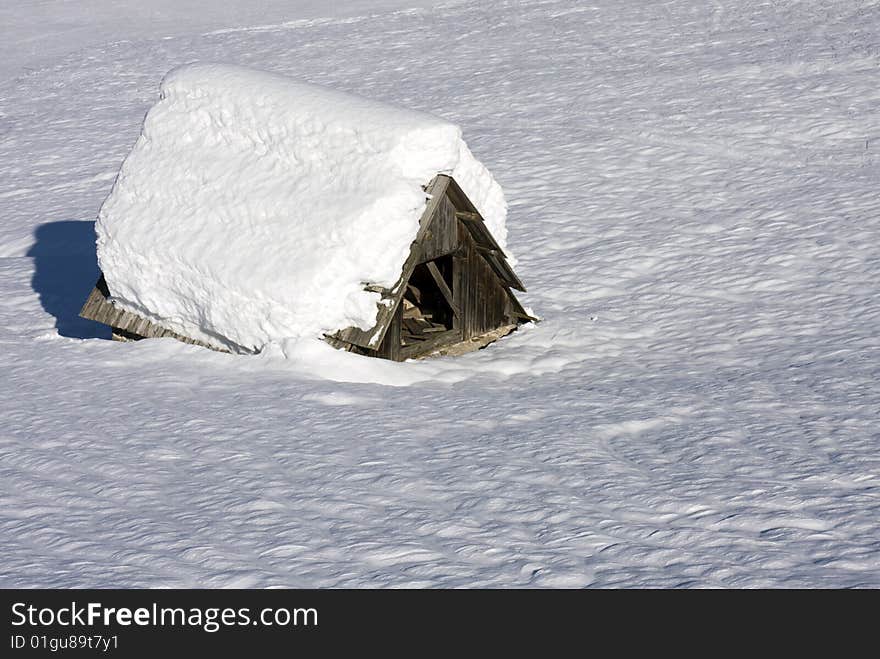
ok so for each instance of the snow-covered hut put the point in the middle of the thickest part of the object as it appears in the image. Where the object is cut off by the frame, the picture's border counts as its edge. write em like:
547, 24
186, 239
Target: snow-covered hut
254, 209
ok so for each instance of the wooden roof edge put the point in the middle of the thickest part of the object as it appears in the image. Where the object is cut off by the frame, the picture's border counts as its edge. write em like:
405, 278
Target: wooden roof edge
520, 312
100, 308
466, 211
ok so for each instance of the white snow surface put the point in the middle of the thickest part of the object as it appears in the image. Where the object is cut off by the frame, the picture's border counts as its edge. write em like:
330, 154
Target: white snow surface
692, 194
45, 31
255, 208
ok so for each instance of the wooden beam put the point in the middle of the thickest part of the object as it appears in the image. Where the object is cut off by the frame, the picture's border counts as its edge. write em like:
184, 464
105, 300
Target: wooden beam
468, 213
524, 316
390, 346
441, 284
436, 341
128, 325
381, 290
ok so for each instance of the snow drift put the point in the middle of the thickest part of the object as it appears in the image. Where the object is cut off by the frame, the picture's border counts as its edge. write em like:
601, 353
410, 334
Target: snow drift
254, 208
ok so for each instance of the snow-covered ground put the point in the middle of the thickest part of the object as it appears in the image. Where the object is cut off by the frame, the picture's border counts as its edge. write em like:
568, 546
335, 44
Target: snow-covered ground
694, 207
33, 33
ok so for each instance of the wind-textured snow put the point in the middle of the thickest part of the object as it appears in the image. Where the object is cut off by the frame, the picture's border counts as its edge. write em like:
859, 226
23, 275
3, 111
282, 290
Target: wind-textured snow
254, 208
692, 195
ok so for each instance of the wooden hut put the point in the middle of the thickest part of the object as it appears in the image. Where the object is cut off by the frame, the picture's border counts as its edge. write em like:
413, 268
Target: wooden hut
454, 294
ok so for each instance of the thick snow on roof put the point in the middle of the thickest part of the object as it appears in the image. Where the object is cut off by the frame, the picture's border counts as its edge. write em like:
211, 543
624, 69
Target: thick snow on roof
254, 208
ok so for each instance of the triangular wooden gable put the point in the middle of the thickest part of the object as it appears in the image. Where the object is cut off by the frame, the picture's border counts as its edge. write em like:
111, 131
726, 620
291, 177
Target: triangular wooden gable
447, 202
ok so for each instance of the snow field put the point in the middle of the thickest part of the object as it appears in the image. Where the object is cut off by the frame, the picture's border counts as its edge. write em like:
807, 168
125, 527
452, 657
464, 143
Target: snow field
692, 201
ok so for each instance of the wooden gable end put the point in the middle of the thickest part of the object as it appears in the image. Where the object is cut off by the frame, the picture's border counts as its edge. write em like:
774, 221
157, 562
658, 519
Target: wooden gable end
455, 255
391, 299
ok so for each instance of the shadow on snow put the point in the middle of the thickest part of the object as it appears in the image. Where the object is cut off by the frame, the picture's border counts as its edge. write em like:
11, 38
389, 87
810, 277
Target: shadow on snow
65, 270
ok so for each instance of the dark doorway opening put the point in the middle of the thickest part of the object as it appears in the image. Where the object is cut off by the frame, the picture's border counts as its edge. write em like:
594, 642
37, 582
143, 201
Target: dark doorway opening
427, 311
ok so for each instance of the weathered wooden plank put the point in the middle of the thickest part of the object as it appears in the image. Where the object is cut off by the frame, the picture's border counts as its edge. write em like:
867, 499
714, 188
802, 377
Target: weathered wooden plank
448, 337
390, 347
442, 237
473, 221
127, 325
494, 254
412, 326
462, 296
459, 265
444, 288
92, 307
475, 343
472, 329
484, 298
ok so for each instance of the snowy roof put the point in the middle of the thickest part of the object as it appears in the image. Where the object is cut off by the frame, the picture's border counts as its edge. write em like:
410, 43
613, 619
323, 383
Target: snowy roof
255, 208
